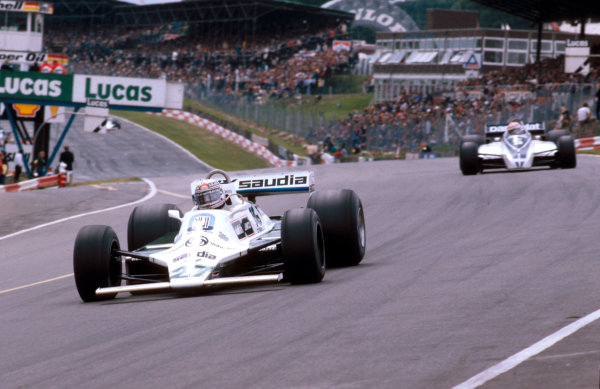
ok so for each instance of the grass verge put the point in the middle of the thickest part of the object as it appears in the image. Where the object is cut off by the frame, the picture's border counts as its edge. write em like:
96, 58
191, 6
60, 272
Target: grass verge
210, 148
287, 140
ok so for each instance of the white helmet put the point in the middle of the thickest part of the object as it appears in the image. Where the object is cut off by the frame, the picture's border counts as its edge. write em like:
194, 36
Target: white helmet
208, 194
515, 128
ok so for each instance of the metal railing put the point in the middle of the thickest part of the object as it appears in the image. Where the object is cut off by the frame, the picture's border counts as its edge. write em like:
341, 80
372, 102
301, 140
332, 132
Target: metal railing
445, 126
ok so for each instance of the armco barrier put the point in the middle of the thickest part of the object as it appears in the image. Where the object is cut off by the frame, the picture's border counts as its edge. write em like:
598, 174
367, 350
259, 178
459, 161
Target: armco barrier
592, 143
36, 183
247, 144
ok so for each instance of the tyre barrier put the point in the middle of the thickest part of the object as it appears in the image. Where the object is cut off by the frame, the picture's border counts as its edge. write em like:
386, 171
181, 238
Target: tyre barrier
36, 183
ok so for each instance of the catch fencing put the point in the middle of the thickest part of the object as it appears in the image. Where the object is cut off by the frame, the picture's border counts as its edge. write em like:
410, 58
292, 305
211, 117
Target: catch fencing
454, 114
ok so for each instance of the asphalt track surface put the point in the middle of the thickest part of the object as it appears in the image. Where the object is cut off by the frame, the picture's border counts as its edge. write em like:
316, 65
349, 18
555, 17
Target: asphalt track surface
460, 274
132, 151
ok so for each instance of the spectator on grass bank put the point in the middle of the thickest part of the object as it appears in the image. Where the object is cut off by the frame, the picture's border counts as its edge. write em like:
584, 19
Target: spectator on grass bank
584, 114
18, 165
597, 100
39, 165
314, 153
564, 119
3, 168
67, 157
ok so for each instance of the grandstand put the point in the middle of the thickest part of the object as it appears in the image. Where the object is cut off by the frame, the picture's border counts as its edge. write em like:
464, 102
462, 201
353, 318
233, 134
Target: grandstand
237, 55
211, 18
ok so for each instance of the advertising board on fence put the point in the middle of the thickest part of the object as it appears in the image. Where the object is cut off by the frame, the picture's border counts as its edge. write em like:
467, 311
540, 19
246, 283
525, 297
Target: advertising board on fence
70, 88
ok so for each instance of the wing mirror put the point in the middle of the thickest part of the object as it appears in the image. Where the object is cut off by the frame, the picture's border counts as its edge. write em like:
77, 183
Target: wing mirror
174, 214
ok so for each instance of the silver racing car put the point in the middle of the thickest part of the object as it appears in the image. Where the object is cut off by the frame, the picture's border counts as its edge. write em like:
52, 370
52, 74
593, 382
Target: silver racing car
517, 146
225, 239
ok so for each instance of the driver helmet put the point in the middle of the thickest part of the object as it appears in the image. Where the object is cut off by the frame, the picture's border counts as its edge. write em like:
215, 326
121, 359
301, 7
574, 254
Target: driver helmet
515, 128
208, 194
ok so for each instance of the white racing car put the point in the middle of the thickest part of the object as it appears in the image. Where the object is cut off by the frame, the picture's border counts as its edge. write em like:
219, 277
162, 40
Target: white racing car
225, 239
517, 146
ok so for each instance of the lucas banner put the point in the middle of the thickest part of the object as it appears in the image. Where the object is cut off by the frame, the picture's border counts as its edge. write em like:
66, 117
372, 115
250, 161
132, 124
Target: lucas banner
36, 86
76, 88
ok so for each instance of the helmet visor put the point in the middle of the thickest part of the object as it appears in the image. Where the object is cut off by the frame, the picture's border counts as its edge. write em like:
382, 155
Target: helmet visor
208, 197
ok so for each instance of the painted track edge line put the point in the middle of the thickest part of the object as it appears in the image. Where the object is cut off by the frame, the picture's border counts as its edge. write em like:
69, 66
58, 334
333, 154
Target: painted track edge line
148, 196
180, 147
523, 355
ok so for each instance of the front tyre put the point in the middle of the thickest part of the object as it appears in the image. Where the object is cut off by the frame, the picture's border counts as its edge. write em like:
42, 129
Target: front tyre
343, 220
94, 264
469, 158
566, 152
302, 246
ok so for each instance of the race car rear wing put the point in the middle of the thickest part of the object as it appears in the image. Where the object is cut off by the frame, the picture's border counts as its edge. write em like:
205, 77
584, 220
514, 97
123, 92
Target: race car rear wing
274, 183
496, 130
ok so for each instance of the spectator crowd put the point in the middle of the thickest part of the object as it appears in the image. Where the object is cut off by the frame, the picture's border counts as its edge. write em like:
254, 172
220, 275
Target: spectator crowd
279, 62
288, 61
412, 121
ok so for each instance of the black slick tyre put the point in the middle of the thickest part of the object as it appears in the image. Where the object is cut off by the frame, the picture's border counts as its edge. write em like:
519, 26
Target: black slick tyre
566, 152
469, 158
342, 217
302, 246
473, 138
94, 265
554, 135
147, 223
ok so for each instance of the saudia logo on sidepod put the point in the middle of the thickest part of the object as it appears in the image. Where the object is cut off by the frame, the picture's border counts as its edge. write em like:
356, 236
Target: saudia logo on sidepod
287, 180
117, 91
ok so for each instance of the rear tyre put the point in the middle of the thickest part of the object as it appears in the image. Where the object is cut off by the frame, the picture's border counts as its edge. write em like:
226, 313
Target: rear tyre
303, 247
146, 224
554, 135
94, 264
566, 152
341, 214
473, 138
469, 158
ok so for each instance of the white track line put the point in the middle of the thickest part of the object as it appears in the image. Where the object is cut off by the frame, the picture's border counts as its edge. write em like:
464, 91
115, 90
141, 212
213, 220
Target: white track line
145, 198
36, 283
527, 353
174, 194
180, 147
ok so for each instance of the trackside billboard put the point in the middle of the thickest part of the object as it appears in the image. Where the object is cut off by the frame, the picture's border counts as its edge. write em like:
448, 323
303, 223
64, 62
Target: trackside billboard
139, 92
36, 86
78, 88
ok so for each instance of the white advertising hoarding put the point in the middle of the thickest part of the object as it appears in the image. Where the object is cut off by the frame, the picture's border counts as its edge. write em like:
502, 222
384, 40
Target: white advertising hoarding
141, 92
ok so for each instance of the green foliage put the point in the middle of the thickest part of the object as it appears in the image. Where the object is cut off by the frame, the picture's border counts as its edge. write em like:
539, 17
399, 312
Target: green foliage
344, 84
230, 122
339, 106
